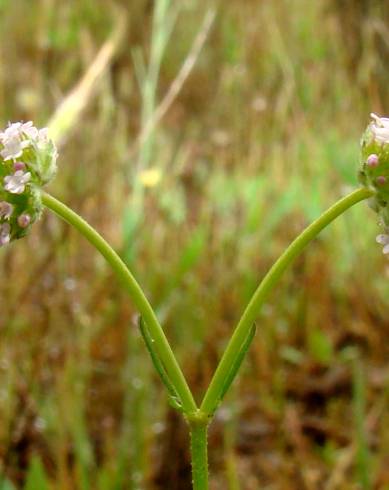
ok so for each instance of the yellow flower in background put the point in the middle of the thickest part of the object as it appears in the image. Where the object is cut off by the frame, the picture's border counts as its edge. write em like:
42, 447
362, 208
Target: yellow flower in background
150, 177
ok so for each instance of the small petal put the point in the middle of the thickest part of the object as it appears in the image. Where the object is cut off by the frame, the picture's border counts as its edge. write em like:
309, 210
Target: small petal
4, 239
11, 131
13, 148
6, 209
385, 250
29, 130
382, 239
380, 128
5, 234
42, 138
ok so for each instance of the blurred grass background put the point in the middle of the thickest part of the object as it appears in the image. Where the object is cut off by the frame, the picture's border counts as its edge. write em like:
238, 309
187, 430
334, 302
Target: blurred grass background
199, 138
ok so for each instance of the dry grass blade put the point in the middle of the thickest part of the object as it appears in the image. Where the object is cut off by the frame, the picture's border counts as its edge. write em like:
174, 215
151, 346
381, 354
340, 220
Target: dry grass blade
69, 111
339, 475
178, 82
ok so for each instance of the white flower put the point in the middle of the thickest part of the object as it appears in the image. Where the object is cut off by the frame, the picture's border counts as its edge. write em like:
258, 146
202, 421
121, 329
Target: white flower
19, 136
15, 184
13, 130
4, 234
6, 209
383, 240
29, 130
19, 129
380, 128
13, 139
13, 147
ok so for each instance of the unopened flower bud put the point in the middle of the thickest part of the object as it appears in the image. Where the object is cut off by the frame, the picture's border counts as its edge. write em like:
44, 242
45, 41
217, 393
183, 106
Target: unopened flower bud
19, 166
372, 160
24, 220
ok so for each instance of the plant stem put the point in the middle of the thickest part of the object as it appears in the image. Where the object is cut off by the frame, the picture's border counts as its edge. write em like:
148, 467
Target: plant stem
199, 453
118, 266
213, 394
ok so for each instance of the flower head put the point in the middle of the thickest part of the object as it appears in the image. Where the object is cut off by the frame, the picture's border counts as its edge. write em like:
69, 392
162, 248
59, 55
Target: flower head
374, 168
27, 162
32, 146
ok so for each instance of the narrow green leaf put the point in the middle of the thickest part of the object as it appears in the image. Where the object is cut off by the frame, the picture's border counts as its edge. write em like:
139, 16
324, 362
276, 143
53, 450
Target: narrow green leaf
174, 399
235, 366
36, 475
5, 484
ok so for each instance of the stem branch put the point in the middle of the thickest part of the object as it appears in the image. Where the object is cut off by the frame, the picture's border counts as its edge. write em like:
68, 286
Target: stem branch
118, 266
213, 394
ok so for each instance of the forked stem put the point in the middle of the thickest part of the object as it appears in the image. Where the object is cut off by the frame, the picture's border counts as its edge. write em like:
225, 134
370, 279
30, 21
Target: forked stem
198, 419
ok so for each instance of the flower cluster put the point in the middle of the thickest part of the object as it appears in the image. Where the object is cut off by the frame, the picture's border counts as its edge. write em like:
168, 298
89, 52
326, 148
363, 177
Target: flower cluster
27, 162
374, 171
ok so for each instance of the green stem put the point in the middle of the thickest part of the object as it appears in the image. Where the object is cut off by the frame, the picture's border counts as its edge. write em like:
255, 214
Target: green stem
162, 345
199, 453
213, 394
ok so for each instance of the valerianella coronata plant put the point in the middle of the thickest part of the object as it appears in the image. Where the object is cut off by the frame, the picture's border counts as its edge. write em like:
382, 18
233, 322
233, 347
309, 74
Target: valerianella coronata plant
27, 162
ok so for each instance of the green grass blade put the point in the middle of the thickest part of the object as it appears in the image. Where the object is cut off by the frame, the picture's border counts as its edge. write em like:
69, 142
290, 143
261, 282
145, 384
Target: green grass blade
5, 484
36, 476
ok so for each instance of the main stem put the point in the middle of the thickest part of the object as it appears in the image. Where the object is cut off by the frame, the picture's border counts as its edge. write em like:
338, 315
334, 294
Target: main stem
162, 345
212, 396
199, 454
